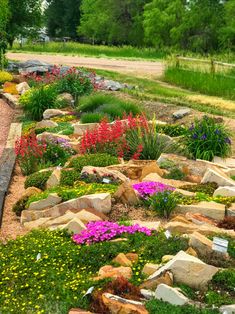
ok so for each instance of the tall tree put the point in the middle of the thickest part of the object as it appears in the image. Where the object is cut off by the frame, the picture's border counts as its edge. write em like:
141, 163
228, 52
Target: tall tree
227, 33
62, 18
25, 18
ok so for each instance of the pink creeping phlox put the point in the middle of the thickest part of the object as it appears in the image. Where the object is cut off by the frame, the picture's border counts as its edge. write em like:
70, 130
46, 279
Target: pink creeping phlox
147, 189
100, 231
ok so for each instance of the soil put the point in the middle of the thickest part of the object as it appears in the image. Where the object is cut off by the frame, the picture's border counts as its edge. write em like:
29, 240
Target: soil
137, 68
6, 117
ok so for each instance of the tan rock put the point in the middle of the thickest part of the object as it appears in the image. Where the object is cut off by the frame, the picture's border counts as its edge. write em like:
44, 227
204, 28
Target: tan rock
133, 257
151, 168
156, 178
126, 194
118, 305
200, 219
65, 98
22, 88
46, 136
54, 179
114, 272
75, 225
104, 173
35, 224
101, 202
191, 251
188, 270
155, 225
79, 311
122, 260
210, 209
152, 283
201, 244
217, 176
167, 258
184, 192
52, 200
51, 113
80, 128
31, 191
226, 162
150, 268
46, 124
227, 191
181, 218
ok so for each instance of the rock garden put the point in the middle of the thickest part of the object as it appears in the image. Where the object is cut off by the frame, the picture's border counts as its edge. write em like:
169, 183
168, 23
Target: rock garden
121, 213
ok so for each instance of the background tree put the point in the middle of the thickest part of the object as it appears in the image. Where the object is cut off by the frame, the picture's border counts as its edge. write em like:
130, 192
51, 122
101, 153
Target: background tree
227, 33
25, 18
62, 18
4, 15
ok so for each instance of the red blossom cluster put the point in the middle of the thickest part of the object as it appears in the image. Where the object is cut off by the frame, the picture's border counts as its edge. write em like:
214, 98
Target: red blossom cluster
111, 138
28, 145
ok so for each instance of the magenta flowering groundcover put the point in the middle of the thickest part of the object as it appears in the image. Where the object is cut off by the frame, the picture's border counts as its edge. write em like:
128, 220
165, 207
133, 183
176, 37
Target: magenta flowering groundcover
100, 231
147, 189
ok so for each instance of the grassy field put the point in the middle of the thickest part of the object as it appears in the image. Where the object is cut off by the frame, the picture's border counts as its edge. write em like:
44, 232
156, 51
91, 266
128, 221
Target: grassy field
219, 84
126, 52
158, 91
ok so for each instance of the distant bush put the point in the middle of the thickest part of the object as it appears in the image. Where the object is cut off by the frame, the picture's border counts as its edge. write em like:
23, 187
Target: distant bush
93, 117
172, 130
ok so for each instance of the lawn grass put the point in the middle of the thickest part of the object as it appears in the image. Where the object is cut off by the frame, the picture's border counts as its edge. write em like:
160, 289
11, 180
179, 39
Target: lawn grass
125, 52
218, 84
148, 89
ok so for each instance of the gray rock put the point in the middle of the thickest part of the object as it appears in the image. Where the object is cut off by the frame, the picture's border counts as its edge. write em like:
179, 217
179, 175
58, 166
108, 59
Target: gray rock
147, 294
227, 309
179, 114
170, 295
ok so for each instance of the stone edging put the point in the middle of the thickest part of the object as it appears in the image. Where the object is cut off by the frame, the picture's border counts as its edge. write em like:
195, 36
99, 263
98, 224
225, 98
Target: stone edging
7, 163
11, 100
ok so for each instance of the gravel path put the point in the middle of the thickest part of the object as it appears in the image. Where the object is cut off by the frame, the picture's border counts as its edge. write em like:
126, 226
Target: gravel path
6, 117
137, 68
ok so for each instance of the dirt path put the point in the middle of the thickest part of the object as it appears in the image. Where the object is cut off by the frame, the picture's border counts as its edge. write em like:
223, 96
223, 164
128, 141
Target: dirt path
138, 68
6, 117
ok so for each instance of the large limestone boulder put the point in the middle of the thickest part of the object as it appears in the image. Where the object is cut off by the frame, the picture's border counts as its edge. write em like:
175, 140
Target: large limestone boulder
46, 124
101, 202
80, 128
154, 225
226, 162
227, 309
188, 270
75, 226
116, 305
103, 172
126, 194
54, 179
156, 178
51, 113
52, 200
217, 176
210, 209
201, 244
227, 191
35, 224
170, 295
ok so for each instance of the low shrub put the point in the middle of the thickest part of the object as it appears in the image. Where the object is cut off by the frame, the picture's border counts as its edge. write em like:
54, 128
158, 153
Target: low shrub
107, 106
36, 100
69, 177
38, 179
175, 174
63, 128
65, 118
167, 164
20, 205
5, 77
173, 130
163, 203
95, 160
93, 117
207, 188
225, 280
156, 306
95, 177
206, 139
227, 223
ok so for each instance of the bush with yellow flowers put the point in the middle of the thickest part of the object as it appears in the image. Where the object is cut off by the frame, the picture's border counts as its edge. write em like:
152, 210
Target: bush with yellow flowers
5, 77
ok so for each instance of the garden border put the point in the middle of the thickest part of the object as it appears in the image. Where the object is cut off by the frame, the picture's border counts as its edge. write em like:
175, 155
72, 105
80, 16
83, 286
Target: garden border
7, 163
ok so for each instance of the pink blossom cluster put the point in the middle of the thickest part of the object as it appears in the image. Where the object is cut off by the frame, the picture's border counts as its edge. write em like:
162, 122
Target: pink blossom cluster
100, 231
147, 189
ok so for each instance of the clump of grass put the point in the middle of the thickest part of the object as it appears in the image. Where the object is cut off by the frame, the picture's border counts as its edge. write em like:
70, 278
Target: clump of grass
204, 82
98, 106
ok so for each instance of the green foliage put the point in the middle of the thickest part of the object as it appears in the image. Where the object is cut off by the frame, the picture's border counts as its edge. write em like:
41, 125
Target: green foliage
175, 174
207, 188
20, 205
69, 177
163, 203
102, 105
218, 84
151, 143
215, 298
93, 117
167, 164
206, 139
225, 280
156, 306
37, 100
38, 179
5, 76
95, 160
68, 267
64, 128
172, 130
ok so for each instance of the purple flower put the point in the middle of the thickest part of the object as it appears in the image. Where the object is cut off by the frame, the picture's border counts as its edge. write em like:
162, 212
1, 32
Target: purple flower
227, 141
146, 189
100, 231
203, 137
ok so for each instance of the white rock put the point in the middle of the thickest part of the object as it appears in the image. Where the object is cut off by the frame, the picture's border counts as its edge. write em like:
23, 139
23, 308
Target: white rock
227, 309
210, 209
147, 294
54, 179
50, 113
101, 202
181, 113
217, 176
52, 200
22, 88
225, 191
227, 162
188, 270
170, 295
